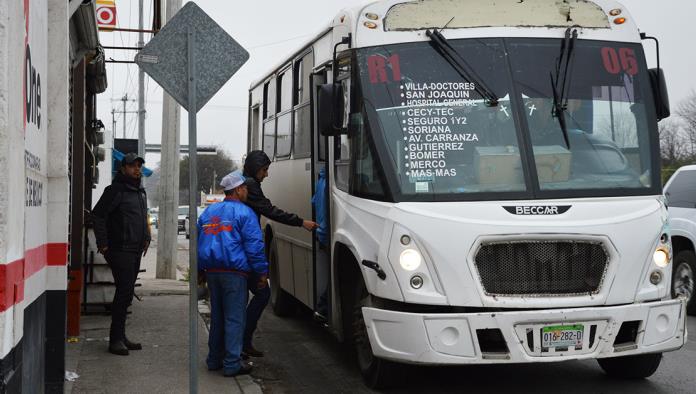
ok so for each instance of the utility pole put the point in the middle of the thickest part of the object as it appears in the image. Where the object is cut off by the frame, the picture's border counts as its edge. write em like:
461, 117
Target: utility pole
113, 122
169, 181
124, 99
212, 185
141, 89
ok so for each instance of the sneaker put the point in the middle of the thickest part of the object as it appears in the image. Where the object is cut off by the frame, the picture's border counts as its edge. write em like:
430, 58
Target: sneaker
118, 348
245, 369
132, 345
251, 352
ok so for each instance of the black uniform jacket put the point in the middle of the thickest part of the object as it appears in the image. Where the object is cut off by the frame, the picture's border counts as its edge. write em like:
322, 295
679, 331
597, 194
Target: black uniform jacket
120, 216
256, 199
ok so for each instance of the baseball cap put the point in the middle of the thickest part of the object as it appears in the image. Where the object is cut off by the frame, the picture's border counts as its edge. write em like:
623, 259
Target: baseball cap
233, 180
131, 158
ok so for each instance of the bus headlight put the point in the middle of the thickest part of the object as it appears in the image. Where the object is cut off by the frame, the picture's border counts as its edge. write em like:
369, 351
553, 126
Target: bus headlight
661, 257
410, 259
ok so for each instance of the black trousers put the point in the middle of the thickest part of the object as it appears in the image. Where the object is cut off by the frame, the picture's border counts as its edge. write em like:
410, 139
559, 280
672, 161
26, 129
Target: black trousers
124, 267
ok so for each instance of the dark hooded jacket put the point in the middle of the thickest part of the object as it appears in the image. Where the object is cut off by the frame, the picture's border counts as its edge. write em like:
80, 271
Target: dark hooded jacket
120, 216
256, 200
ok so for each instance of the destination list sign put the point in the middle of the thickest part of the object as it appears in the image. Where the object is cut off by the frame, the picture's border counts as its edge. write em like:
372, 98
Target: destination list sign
433, 130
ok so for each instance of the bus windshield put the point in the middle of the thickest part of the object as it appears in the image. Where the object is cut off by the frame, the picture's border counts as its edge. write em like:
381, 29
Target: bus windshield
444, 139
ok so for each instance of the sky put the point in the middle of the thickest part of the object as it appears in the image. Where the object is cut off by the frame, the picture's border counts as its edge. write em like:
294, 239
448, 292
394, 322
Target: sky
272, 29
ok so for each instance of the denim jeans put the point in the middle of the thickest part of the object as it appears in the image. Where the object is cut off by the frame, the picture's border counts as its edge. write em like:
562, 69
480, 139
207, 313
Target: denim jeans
255, 308
228, 298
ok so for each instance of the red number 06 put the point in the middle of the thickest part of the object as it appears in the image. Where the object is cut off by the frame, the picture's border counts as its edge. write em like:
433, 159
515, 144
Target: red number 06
624, 60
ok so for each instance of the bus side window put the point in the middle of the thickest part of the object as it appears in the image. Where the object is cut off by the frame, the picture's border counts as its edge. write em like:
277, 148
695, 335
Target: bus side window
269, 111
255, 135
342, 143
367, 175
320, 78
342, 161
284, 117
302, 142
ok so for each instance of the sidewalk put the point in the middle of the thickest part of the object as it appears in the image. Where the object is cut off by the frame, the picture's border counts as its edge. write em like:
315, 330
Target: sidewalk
160, 322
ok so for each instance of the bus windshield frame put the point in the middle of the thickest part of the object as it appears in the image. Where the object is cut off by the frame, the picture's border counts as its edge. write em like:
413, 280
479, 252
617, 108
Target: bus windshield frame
421, 115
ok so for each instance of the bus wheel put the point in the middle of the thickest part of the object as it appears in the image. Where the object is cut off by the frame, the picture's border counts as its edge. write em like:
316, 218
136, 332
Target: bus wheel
683, 280
282, 303
377, 373
631, 367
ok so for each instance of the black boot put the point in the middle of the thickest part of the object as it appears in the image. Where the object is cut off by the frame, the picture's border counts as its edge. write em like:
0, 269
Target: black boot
118, 348
132, 345
250, 351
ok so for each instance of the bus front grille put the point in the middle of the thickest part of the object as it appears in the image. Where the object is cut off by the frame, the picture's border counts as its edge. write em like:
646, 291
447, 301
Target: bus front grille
541, 268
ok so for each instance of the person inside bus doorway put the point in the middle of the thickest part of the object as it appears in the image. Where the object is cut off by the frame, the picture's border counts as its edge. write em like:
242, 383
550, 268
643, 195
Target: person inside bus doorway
230, 251
320, 201
123, 237
256, 170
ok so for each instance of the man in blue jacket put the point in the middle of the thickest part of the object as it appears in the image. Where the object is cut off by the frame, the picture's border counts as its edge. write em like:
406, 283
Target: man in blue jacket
230, 250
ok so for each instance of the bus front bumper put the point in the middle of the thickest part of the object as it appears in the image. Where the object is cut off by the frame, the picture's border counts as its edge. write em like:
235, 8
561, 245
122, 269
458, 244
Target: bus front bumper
515, 337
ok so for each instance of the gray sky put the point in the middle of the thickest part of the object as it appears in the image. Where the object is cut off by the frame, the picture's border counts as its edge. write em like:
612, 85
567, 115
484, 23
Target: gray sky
272, 29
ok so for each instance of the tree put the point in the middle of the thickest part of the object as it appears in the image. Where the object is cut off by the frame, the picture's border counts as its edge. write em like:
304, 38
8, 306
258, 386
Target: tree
672, 142
686, 110
211, 170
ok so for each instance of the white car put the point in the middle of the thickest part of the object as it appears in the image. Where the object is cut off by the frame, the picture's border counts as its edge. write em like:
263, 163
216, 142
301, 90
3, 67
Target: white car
186, 221
681, 198
181, 219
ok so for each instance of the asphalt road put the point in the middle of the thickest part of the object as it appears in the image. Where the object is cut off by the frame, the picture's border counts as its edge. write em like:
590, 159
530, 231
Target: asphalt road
302, 357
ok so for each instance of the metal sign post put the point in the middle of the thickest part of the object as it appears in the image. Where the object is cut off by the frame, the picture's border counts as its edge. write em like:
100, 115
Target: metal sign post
193, 216
192, 57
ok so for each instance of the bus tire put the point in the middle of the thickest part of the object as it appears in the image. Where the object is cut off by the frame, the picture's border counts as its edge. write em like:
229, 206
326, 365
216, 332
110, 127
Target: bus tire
376, 372
282, 303
631, 367
683, 278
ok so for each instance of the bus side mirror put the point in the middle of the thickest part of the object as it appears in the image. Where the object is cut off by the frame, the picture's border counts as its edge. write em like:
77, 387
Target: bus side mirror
330, 109
659, 88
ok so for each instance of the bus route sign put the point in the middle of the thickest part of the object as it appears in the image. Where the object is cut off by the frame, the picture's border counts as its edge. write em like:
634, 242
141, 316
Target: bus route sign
217, 56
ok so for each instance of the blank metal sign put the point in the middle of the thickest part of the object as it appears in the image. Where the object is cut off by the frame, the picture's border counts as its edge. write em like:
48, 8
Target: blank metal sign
217, 55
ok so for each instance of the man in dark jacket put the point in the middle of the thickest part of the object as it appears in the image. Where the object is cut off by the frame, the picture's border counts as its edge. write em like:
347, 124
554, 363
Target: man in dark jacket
256, 170
123, 237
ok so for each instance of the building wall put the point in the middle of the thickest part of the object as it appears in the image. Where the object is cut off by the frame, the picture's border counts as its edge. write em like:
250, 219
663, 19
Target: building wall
34, 193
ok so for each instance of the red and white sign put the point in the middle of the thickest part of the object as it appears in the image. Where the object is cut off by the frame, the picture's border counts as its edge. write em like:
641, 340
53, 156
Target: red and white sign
106, 14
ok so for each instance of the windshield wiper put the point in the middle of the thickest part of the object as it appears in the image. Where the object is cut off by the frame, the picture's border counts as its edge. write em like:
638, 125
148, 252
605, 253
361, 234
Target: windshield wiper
565, 63
443, 47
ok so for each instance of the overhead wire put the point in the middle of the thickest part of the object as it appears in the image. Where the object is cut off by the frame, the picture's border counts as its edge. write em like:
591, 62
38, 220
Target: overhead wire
278, 42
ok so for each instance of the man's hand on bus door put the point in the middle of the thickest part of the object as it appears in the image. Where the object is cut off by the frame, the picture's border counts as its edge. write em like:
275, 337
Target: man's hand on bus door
103, 250
309, 225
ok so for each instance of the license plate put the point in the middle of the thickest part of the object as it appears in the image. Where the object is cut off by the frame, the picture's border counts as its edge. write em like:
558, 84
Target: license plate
562, 336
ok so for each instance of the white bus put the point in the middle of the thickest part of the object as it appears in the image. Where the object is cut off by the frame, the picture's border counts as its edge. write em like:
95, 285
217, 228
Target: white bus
493, 181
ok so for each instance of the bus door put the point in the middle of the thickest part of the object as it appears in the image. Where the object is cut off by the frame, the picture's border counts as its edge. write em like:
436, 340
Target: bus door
321, 245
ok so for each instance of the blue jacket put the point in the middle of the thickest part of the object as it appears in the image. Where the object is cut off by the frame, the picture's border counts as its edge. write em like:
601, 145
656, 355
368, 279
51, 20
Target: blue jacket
229, 237
319, 200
